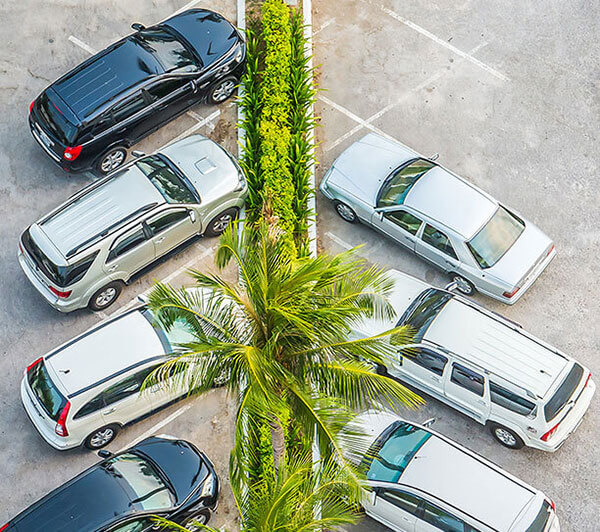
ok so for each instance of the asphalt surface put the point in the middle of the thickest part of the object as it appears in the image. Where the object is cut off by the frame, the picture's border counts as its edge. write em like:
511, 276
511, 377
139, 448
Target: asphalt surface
507, 94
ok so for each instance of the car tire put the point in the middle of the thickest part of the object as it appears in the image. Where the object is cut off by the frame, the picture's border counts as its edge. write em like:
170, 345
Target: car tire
222, 90
345, 212
202, 516
506, 437
101, 437
221, 222
381, 370
111, 160
464, 286
106, 296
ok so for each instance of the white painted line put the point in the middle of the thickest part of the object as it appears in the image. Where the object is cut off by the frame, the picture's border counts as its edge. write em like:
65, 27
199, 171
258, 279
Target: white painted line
81, 44
445, 44
326, 24
195, 127
195, 115
339, 241
152, 430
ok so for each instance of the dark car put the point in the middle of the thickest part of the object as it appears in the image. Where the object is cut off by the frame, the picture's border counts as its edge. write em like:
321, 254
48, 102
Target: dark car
87, 119
161, 476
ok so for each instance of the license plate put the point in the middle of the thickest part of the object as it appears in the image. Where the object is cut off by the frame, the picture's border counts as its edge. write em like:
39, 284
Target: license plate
45, 138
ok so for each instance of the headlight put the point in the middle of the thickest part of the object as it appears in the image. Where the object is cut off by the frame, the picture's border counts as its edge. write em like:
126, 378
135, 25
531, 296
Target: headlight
240, 54
208, 489
241, 182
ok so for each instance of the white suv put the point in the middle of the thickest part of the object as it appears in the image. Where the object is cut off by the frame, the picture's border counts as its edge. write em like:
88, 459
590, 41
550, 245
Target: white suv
419, 480
87, 389
487, 367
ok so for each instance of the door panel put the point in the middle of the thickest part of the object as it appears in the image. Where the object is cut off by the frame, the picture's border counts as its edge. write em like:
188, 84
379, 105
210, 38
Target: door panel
172, 227
129, 253
171, 97
425, 366
436, 247
468, 389
133, 118
399, 225
123, 401
395, 509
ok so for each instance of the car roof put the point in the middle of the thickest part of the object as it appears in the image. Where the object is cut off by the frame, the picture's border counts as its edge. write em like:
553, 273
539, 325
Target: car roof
451, 201
101, 78
96, 210
114, 346
497, 347
468, 483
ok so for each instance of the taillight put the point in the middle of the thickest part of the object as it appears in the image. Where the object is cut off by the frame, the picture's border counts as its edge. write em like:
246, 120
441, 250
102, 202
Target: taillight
587, 381
61, 428
549, 434
551, 504
550, 250
30, 108
510, 294
59, 293
4, 527
32, 365
72, 153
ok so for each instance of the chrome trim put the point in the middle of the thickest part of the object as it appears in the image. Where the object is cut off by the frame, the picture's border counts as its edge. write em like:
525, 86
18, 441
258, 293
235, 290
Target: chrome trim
37, 137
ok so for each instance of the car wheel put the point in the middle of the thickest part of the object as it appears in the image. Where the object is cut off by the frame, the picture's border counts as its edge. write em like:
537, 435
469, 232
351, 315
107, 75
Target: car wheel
506, 437
222, 90
106, 296
346, 212
381, 370
102, 437
221, 222
111, 160
464, 286
201, 517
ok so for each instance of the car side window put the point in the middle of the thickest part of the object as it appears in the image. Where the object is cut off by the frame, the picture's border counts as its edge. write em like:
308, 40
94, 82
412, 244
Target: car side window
509, 400
101, 124
442, 520
128, 108
438, 240
165, 88
405, 501
167, 220
121, 390
405, 220
126, 243
427, 359
137, 525
468, 379
90, 407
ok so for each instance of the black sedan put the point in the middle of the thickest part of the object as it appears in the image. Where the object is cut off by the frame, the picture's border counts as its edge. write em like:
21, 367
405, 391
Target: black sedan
87, 119
161, 476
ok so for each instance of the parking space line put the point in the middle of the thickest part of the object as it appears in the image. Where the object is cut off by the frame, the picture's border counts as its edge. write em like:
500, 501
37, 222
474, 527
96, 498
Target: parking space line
339, 241
190, 130
325, 24
81, 44
445, 44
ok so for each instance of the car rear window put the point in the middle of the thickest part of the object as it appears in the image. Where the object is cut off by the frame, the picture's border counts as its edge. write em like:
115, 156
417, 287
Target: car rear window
398, 184
423, 310
62, 276
496, 237
564, 393
541, 519
54, 117
45, 390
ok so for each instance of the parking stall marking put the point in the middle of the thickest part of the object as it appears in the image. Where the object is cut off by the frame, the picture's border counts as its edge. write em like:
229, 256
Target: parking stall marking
339, 241
81, 44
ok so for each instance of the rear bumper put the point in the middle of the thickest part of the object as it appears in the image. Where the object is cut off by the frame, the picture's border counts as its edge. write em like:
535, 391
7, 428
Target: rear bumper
530, 279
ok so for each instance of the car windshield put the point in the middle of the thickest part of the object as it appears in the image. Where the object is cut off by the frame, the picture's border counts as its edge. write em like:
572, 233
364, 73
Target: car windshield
60, 125
173, 188
179, 333
398, 184
392, 452
168, 51
423, 310
496, 237
564, 393
45, 390
141, 481
541, 519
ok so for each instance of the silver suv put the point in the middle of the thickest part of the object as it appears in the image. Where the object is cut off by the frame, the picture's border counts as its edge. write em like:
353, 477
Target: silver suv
86, 250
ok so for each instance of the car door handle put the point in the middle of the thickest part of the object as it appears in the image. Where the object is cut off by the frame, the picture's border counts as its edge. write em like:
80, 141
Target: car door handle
481, 402
109, 411
112, 268
159, 240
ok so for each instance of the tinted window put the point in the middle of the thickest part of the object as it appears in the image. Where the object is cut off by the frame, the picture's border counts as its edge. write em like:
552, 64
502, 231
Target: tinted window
496, 237
90, 407
168, 183
127, 243
405, 501
167, 220
392, 452
48, 395
55, 119
164, 88
428, 359
509, 400
102, 124
441, 519
564, 392
541, 519
438, 240
169, 52
405, 220
398, 184
129, 108
139, 525
121, 390
465, 378
423, 310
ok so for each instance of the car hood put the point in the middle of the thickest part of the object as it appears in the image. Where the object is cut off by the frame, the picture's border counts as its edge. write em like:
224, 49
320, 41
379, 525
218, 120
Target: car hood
210, 34
522, 257
362, 168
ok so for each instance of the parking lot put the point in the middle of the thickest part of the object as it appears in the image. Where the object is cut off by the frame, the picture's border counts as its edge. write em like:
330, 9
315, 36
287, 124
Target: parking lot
508, 96
59, 35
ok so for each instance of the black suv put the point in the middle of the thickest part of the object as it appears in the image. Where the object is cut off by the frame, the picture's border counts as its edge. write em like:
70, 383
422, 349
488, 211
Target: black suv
88, 118
160, 476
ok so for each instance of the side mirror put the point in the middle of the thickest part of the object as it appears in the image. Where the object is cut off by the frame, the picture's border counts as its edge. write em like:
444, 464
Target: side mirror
142, 299
138, 154
103, 453
434, 157
137, 26
429, 422
192, 215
